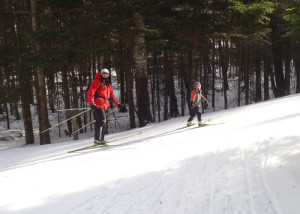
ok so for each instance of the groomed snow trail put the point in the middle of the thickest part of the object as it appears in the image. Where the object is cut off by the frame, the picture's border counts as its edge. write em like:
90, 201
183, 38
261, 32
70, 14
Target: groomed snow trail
248, 164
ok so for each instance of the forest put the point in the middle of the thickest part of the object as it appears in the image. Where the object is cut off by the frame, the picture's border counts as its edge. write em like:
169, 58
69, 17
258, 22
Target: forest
50, 51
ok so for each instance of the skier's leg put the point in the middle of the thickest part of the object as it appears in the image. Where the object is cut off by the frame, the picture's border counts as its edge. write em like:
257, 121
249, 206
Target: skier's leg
103, 125
97, 123
193, 114
99, 115
199, 114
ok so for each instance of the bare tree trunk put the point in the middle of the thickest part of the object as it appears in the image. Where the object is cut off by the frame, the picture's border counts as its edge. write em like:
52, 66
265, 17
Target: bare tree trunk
246, 75
7, 116
51, 91
258, 96
75, 103
224, 65
29, 137
240, 66
3, 97
297, 65
213, 97
129, 93
66, 94
129, 77
173, 99
280, 88
287, 65
153, 86
167, 86
207, 72
81, 83
122, 86
43, 119
267, 73
192, 71
181, 80
158, 95
122, 62
142, 94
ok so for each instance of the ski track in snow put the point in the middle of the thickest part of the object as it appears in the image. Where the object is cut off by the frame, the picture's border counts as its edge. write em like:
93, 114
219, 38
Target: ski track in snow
248, 178
268, 189
208, 179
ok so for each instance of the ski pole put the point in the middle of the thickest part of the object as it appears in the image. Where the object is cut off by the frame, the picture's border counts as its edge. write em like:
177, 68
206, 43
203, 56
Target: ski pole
66, 120
68, 109
111, 111
92, 122
116, 120
83, 127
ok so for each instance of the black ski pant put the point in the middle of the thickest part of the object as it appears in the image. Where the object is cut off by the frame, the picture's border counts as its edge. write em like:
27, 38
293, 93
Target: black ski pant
195, 111
100, 117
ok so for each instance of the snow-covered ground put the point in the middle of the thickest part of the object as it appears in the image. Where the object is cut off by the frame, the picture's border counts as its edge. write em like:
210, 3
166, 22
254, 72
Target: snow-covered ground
247, 162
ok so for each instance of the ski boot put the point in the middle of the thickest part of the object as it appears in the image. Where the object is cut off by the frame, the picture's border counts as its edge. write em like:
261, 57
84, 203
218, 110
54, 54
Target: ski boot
189, 123
100, 142
200, 124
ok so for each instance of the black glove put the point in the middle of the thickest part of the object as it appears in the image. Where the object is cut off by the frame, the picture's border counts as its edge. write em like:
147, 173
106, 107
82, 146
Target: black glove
122, 108
206, 105
93, 106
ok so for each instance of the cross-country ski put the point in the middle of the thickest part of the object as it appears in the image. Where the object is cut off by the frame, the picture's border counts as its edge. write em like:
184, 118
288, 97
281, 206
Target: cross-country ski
95, 146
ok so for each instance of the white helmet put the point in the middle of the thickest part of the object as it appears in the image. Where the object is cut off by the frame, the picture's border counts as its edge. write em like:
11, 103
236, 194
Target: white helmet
105, 71
197, 83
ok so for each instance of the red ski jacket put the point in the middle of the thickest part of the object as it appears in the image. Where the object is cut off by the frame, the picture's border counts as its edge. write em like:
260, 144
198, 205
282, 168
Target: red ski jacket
104, 93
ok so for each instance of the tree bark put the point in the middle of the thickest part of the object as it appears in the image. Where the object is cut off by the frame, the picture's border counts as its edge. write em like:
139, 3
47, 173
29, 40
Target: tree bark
280, 88
29, 137
158, 94
246, 74
287, 65
42, 96
167, 84
224, 65
297, 66
173, 99
153, 86
66, 95
258, 96
142, 94
267, 72
213, 96
51, 91
129, 93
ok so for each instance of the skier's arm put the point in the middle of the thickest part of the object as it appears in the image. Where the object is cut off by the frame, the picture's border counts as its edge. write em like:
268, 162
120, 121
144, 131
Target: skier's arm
92, 90
204, 97
193, 96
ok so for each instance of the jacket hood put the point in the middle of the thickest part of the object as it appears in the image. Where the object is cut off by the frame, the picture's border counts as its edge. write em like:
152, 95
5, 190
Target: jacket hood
98, 76
105, 81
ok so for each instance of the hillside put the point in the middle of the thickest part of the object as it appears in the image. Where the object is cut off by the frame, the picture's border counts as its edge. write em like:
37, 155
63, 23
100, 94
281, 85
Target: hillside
247, 161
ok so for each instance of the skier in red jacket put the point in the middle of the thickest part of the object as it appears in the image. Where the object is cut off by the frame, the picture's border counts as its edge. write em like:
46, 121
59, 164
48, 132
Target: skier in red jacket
99, 94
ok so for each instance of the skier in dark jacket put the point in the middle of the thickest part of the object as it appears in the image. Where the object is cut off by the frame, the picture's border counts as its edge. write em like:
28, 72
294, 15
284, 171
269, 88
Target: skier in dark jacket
99, 94
196, 96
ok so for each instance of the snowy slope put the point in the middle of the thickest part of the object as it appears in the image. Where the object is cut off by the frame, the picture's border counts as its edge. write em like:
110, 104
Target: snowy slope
248, 162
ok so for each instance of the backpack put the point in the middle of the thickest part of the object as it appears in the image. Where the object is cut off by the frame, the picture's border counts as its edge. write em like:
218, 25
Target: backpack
96, 93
